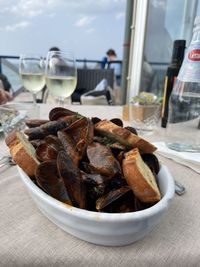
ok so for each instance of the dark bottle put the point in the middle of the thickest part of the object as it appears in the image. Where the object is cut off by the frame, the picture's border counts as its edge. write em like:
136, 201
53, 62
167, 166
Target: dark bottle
171, 74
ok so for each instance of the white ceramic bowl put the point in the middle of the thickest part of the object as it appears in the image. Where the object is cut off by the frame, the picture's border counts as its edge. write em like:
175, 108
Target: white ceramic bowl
103, 228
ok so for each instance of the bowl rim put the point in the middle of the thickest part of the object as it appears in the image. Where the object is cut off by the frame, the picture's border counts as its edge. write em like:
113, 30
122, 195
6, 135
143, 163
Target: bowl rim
102, 216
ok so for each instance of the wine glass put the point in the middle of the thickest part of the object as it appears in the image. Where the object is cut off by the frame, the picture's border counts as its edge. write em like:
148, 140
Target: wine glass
61, 74
31, 70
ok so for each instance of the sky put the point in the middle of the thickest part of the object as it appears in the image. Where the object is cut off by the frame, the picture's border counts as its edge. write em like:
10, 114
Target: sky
86, 27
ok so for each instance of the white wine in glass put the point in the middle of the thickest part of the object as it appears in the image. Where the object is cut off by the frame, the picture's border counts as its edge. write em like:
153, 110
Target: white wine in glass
31, 70
61, 74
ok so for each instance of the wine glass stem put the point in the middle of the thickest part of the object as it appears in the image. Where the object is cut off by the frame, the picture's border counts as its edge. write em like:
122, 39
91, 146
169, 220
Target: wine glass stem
34, 99
61, 101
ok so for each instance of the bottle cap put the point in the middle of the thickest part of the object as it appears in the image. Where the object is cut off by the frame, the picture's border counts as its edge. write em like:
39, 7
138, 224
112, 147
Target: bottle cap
178, 51
180, 43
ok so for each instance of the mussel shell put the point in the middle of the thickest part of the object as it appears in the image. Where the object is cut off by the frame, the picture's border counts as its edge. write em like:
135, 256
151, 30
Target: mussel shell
31, 123
48, 179
131, 129
69, 146
54, 142
59, 112
152, 161
102, 159
95, 186
46, 152
117, 201
117, 121
95, 120
72, 178
37, 142
81, 132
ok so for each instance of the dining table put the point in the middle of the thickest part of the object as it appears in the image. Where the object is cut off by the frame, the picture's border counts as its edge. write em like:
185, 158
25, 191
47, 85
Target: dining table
28, 238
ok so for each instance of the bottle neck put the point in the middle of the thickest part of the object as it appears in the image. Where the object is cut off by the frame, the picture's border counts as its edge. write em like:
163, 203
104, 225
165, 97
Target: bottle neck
196, 35
178, 55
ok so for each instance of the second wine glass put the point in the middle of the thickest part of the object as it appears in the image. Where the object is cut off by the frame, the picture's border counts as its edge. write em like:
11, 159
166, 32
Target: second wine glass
61, 74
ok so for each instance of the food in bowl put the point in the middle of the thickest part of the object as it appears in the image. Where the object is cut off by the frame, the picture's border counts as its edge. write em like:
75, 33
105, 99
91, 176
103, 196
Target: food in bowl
96, 167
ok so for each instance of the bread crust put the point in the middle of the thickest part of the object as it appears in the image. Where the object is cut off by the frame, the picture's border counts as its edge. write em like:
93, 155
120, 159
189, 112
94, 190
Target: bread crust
140, 178
22, 152
124, 136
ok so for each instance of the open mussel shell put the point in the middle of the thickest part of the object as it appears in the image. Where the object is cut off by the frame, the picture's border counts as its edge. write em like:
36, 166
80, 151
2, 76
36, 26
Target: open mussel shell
102, 159
49, 148
95, 120
69, 146
46, 152
72, 178
54, 142
48, 179
152, 161
131, 129
37, 142
117, 201
59, 112
117, 121
81, 132
95, 186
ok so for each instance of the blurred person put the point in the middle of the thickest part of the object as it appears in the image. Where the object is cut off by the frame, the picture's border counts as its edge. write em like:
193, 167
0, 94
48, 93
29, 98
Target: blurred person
4, 96
104, 62
5, 82
54, 48
112, 56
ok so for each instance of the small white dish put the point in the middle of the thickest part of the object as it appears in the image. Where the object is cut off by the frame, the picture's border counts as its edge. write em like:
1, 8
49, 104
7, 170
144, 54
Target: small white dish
107, 229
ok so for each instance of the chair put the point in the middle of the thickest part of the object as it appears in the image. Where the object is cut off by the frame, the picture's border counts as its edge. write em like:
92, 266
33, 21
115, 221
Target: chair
106, 98
88, 80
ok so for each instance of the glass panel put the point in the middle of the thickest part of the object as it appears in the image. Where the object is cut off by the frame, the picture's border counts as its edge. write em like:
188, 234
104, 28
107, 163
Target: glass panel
167, 21
10, 69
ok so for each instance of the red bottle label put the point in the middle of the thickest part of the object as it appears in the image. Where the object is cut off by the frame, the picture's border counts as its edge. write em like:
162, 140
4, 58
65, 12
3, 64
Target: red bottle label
194, 55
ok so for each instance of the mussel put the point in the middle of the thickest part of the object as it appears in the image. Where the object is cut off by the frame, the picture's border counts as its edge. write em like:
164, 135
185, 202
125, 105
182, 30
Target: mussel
69, 146
46, 129
59, 112
72, 178
117, 201
117, 121
31, 123
102, 159
48, 179
152, 161
48, 150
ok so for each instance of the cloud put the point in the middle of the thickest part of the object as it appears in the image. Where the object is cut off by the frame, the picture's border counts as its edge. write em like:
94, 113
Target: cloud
33, 8
16, 26
90, 30
85, 21
120, 15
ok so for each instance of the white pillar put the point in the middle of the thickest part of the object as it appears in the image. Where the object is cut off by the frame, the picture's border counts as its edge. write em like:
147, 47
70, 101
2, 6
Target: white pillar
137, 48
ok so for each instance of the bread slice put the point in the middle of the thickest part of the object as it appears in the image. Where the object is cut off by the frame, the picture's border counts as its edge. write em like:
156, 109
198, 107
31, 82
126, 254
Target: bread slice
124, 136
140, 178
22, 152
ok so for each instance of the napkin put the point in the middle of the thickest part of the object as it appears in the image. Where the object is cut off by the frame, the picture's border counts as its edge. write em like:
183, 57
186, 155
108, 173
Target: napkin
189, 159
